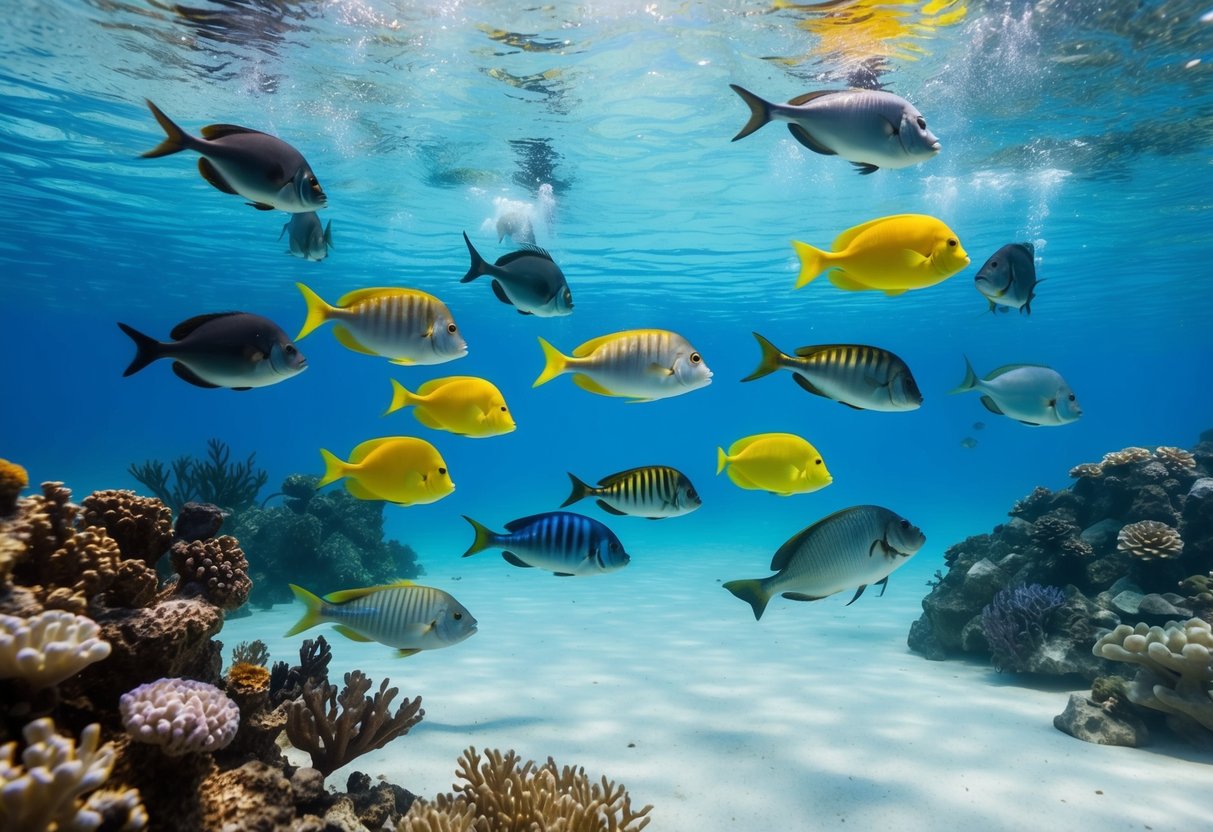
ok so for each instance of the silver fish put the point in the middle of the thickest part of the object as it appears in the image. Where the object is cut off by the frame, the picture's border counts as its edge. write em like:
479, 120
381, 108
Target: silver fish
224, 349
263, 169
1033, 394
307, 238
652, 491
853, 547
527, 279
1008, 278
869, 128
859, 376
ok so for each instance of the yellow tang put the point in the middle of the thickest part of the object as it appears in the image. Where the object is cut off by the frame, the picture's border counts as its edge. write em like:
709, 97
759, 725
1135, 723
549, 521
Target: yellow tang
405, 326
460, 404
400, 469
889, 254
782, 463
639, 364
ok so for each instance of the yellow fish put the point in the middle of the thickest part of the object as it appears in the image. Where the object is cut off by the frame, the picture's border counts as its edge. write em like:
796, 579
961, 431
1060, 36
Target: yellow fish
405, 326
779, 462
465, 405
400, 469
639, 364
889, 254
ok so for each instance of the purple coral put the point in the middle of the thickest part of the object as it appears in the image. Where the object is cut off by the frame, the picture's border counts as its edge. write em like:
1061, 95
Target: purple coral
181, 715
1014, 622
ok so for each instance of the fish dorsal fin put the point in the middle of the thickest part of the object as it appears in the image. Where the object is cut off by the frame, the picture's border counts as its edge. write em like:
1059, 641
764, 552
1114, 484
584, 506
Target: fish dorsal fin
594, 343
514, 560
523, 522
373, 292
1006, 368
610, 509
218, 131
847, 237
346, 339
1031, 248
343, 596
186, 374
817, 349
187, 326
211, 174
621, 476
428, 387
807, 385
801, 539
525, 251
586, 383
741, 444
351, 633
499, 291
806, 138
991, 406
805, 98
365, 449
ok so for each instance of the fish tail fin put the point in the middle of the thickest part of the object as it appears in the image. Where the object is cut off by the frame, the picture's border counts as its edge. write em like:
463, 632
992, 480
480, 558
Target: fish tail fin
478, 266
554, 364
483, 540
580, 491
970, 379
722, 459
175, 139
334, 468
328, 234
770, 361
401, 397
812, 262
312, 615
317, 311
147, 349
760, 111
752, 592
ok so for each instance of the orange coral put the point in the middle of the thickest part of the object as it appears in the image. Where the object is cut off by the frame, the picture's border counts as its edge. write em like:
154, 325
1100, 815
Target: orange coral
247, 676
13, 480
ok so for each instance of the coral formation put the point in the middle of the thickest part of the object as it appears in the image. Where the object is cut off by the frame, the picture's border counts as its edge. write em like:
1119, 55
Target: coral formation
1149, 539
499, 793
141, 526
1014, 623
216, 566
211, 480
334, 738
1177, 460
13, 480
181, 716
251, 652
44, 650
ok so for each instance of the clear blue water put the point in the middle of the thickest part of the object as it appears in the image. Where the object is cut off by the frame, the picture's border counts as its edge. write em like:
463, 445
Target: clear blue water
1086, 128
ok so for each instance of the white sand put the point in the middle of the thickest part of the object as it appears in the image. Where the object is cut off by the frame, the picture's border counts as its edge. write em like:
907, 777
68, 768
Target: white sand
816, 717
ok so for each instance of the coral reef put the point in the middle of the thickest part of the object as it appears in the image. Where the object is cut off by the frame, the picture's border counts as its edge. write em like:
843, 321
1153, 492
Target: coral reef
141, 526
213, 479
44, 650
13, 480
1149, 539
499, 793
1014, 623
217, 567
180, 715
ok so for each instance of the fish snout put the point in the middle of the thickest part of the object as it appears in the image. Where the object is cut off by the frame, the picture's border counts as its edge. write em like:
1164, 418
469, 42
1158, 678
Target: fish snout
936, 147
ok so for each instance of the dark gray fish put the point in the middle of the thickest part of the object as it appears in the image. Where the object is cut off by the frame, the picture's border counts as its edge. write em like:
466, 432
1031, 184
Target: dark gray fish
263, 169
223, 349
560, 541
527, 279
652, 491
308, 238
1008, 278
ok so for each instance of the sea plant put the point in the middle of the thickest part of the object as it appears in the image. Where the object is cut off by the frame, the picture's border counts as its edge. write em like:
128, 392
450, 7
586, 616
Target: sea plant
213, 479
1014, 623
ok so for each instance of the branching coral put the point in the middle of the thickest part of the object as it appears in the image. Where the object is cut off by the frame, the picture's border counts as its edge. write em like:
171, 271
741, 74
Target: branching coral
13, 480
49, 647
1086, 469
44, 790
210, 480
1014, 622
334, 738
501, 794
1126, 456
1149, 539
180, 715
141, 526
1177, 460
218, 566
286, 682
1176, 666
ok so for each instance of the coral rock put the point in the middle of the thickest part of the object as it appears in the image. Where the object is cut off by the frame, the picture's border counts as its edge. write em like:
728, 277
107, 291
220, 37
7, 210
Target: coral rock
1084, 719
218, 566
198, 521
142, 526
1176, 459
1127, 456
1149, 539
252, 798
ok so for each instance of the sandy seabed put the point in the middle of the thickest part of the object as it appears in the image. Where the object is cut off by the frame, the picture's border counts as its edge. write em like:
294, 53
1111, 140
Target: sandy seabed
816, 717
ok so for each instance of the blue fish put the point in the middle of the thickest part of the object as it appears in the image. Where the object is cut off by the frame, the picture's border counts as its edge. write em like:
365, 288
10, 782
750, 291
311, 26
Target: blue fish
559, 541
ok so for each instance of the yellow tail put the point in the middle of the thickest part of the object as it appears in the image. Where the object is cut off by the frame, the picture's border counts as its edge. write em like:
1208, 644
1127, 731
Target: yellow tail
722, 459
175, 139
485, 537
812, 263
401, 397
317, 311
334, 469
312, 615
772, 359
555, 363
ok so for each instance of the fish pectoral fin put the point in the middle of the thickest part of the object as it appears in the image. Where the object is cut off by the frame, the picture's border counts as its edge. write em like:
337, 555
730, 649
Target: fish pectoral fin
186, 374
351, 634
563, 575
991, 406
800, 596
1029, 424
610, 509
586, 383
865, 168
658, 370
847, 283
855, 597
514, 560
806, 138
807, 385
260, 206
211, 174
912, 259
404, 653
499, 291
403, 362
346, 339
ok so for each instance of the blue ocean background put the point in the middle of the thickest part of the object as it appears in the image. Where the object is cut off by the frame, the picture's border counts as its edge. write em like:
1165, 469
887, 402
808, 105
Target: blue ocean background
1085, 128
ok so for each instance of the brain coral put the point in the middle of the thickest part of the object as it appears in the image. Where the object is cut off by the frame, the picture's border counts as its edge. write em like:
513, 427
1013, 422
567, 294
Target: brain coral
142, 526
180, 715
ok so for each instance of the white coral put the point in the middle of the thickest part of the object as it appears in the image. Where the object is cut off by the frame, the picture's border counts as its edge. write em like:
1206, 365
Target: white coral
49, 647
1176, 673
180, 715
44, 790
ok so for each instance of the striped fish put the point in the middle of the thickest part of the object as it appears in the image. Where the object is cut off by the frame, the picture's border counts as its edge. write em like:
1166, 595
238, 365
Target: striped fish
559, 541
653, 491
859, 376
850, 548
640, 364
405, 326
403, 615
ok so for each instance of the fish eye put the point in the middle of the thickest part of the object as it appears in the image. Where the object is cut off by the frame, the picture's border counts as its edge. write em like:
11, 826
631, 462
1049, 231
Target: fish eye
691, 493
818, 462
993, 264
696, 358
1071, 397
441, 470
922, 123
905, 524
503, 409
458, 616
614, 547
451, 328
290, 350
952, 242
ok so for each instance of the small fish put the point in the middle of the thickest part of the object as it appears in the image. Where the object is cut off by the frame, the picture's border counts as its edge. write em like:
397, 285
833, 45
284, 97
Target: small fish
861, 377
399, 469
403, 615
405, 326
640, 364
979, 426
652, 491
465, 405
890, 254
263, 169
968, 442
559, 541
223, 349
308, 239
1008, 278
781, 463
854, 547
871, 129
527, 279
1031, 393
